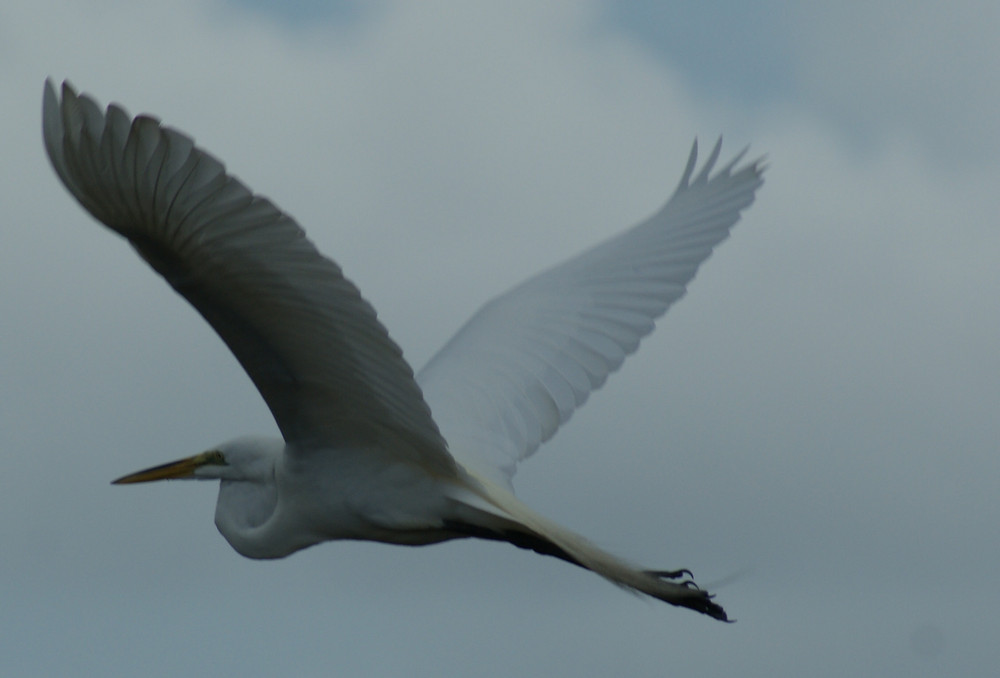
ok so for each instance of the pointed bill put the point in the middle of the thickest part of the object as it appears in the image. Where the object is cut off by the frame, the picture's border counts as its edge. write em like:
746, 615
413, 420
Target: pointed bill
183, 468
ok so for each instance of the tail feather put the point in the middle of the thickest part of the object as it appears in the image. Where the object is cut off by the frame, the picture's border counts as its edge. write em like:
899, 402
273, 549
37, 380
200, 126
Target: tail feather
518, 524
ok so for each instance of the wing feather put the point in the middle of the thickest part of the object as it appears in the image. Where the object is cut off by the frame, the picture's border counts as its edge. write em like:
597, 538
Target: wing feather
311, 344
520, 367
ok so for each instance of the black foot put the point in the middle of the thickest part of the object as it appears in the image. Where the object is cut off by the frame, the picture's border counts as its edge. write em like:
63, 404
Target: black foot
700, 601
714, 610
671, 574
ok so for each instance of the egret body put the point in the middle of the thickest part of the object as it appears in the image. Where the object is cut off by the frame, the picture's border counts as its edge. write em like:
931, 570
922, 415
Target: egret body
368, 449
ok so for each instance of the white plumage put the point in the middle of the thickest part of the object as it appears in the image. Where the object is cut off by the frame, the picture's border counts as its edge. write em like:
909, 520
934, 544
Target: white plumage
370, 452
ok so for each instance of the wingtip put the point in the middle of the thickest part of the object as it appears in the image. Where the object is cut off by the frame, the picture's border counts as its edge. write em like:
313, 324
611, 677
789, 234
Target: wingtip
56, 93
706, 169
52, 126
762, 163
689, 168
50, 100
705, 174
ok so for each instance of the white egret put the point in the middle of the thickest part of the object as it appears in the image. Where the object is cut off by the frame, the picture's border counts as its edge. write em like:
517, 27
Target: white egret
369, 451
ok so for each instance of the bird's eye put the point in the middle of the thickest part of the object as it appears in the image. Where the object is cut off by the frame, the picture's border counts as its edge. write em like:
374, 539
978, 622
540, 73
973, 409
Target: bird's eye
215, 457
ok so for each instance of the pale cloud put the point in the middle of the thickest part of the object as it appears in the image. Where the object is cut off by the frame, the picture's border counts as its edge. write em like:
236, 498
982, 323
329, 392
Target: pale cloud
923, 70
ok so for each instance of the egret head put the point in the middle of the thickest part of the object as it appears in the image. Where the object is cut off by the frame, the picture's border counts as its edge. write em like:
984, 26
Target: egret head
248, 492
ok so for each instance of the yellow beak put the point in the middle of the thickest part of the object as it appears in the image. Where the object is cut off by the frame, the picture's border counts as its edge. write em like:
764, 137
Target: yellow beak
183, 468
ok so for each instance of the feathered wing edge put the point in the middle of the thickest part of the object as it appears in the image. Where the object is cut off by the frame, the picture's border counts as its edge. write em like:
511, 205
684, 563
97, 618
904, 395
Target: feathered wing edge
517, 370
311, 344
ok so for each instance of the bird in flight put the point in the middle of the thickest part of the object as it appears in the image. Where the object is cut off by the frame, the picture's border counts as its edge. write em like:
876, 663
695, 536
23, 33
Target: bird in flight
368, 450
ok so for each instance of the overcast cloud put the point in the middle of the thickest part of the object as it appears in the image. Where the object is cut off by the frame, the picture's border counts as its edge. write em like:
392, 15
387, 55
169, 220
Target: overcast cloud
814, 426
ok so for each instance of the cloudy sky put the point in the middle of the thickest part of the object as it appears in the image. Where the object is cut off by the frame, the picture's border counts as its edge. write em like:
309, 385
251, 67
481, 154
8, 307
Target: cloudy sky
814, 427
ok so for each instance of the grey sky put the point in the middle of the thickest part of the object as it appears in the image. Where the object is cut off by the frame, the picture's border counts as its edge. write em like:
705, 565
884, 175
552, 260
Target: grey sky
817, 416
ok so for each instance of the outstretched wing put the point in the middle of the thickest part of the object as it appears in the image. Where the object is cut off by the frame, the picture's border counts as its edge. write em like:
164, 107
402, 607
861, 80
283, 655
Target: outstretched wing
527, 359
313, 347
